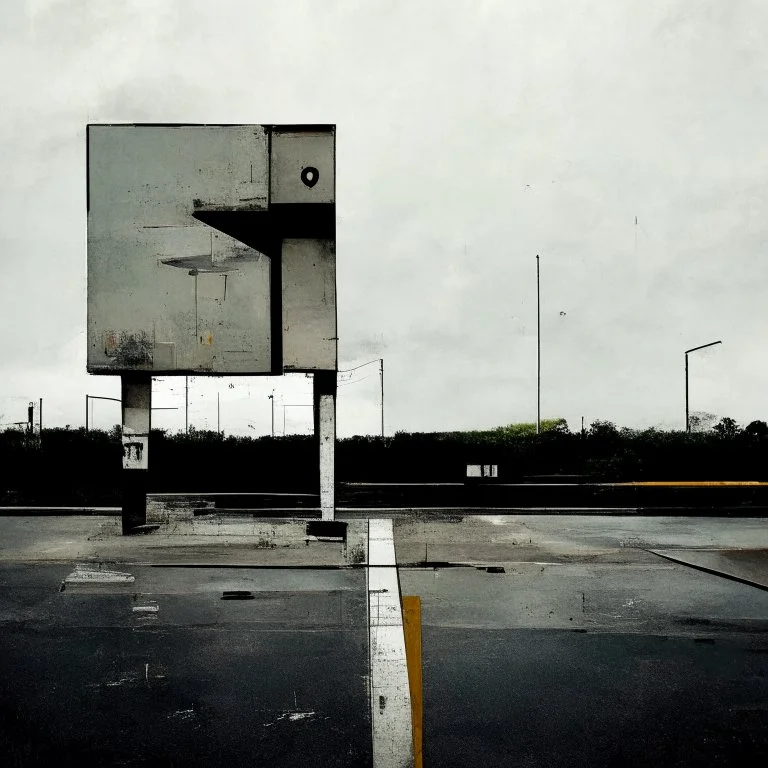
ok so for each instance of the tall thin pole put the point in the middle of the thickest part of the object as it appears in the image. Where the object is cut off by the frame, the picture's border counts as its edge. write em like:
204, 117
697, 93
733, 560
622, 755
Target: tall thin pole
186, 404
538, 348
272, 398
687, 416
86, 413
218, 413
381, 361
40, 415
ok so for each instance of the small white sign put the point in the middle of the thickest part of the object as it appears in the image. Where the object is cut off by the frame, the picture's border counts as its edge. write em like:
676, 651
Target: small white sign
482, 470
135, 452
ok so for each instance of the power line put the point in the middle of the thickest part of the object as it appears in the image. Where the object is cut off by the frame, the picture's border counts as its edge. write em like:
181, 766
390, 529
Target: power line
356, 381
370, 362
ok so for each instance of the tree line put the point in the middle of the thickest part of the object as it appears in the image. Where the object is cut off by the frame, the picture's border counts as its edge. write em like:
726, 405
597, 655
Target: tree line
71, 466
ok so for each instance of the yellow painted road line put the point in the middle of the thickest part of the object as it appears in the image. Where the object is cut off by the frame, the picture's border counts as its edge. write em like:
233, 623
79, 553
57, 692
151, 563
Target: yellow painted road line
697, 483
412, 628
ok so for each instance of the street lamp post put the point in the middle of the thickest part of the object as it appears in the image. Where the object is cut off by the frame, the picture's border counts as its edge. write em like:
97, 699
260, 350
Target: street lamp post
538, 349
381, 372
88, 398
687, 352
272, 398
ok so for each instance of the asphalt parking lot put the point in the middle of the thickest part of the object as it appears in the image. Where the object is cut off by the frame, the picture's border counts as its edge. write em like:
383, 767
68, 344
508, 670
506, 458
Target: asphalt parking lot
183, 667
599, 665
546, 641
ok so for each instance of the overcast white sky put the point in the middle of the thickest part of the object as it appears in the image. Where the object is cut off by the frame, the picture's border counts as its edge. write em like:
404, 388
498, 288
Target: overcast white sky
471, 136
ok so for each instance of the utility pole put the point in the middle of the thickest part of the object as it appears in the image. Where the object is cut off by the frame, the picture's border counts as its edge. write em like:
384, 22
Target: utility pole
186, 405
538, 349
218, 413
40, 418
272, 398
381, 361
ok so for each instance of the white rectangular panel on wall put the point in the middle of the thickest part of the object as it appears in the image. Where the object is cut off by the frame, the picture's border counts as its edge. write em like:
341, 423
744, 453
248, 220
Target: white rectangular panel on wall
168, 293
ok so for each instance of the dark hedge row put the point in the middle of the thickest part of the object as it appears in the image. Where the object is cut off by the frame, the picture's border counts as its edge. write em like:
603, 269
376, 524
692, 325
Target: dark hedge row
72, 466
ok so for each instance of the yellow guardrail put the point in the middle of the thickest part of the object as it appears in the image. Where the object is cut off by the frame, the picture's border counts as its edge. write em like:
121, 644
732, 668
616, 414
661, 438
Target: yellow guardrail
696, 483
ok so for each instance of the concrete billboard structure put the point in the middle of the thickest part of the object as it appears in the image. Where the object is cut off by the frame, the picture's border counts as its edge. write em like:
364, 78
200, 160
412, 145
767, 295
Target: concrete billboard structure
211, 251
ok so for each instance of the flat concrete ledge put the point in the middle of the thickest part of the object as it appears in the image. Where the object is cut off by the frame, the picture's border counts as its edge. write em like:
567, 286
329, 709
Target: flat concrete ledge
168, 510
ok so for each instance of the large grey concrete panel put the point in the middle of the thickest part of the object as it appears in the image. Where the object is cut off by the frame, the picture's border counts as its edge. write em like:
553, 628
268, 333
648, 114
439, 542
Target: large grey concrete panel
309, 304
211, 248
165, 291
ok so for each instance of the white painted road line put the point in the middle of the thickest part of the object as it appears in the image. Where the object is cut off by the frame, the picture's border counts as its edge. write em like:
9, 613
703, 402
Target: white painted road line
390, 694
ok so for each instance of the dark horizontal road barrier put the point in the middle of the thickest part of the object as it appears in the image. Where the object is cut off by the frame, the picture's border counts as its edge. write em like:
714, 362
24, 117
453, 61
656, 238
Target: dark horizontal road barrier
552, 495
679, 499
646, 498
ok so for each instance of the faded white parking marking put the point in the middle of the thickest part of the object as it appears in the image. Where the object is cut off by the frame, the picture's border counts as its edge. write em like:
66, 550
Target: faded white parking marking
89, 574
390, 692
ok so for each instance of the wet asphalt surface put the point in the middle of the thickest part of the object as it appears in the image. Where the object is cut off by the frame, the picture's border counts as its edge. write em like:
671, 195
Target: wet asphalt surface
587, 650
276, 680
592, 665
559, 698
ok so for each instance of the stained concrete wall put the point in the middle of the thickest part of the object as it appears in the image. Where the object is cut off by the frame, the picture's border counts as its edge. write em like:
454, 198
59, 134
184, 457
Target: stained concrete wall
165, 291
168, 293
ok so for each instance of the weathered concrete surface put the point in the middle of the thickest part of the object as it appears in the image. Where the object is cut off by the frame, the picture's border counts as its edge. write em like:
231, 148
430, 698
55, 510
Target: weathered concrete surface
498, 538
217, 541
166, 511
608, 656
471, 539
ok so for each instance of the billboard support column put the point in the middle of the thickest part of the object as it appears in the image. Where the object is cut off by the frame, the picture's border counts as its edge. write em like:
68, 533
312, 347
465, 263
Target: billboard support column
324, 390
136, 421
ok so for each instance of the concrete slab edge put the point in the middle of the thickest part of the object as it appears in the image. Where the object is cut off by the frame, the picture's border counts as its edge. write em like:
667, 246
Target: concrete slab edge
712, 571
